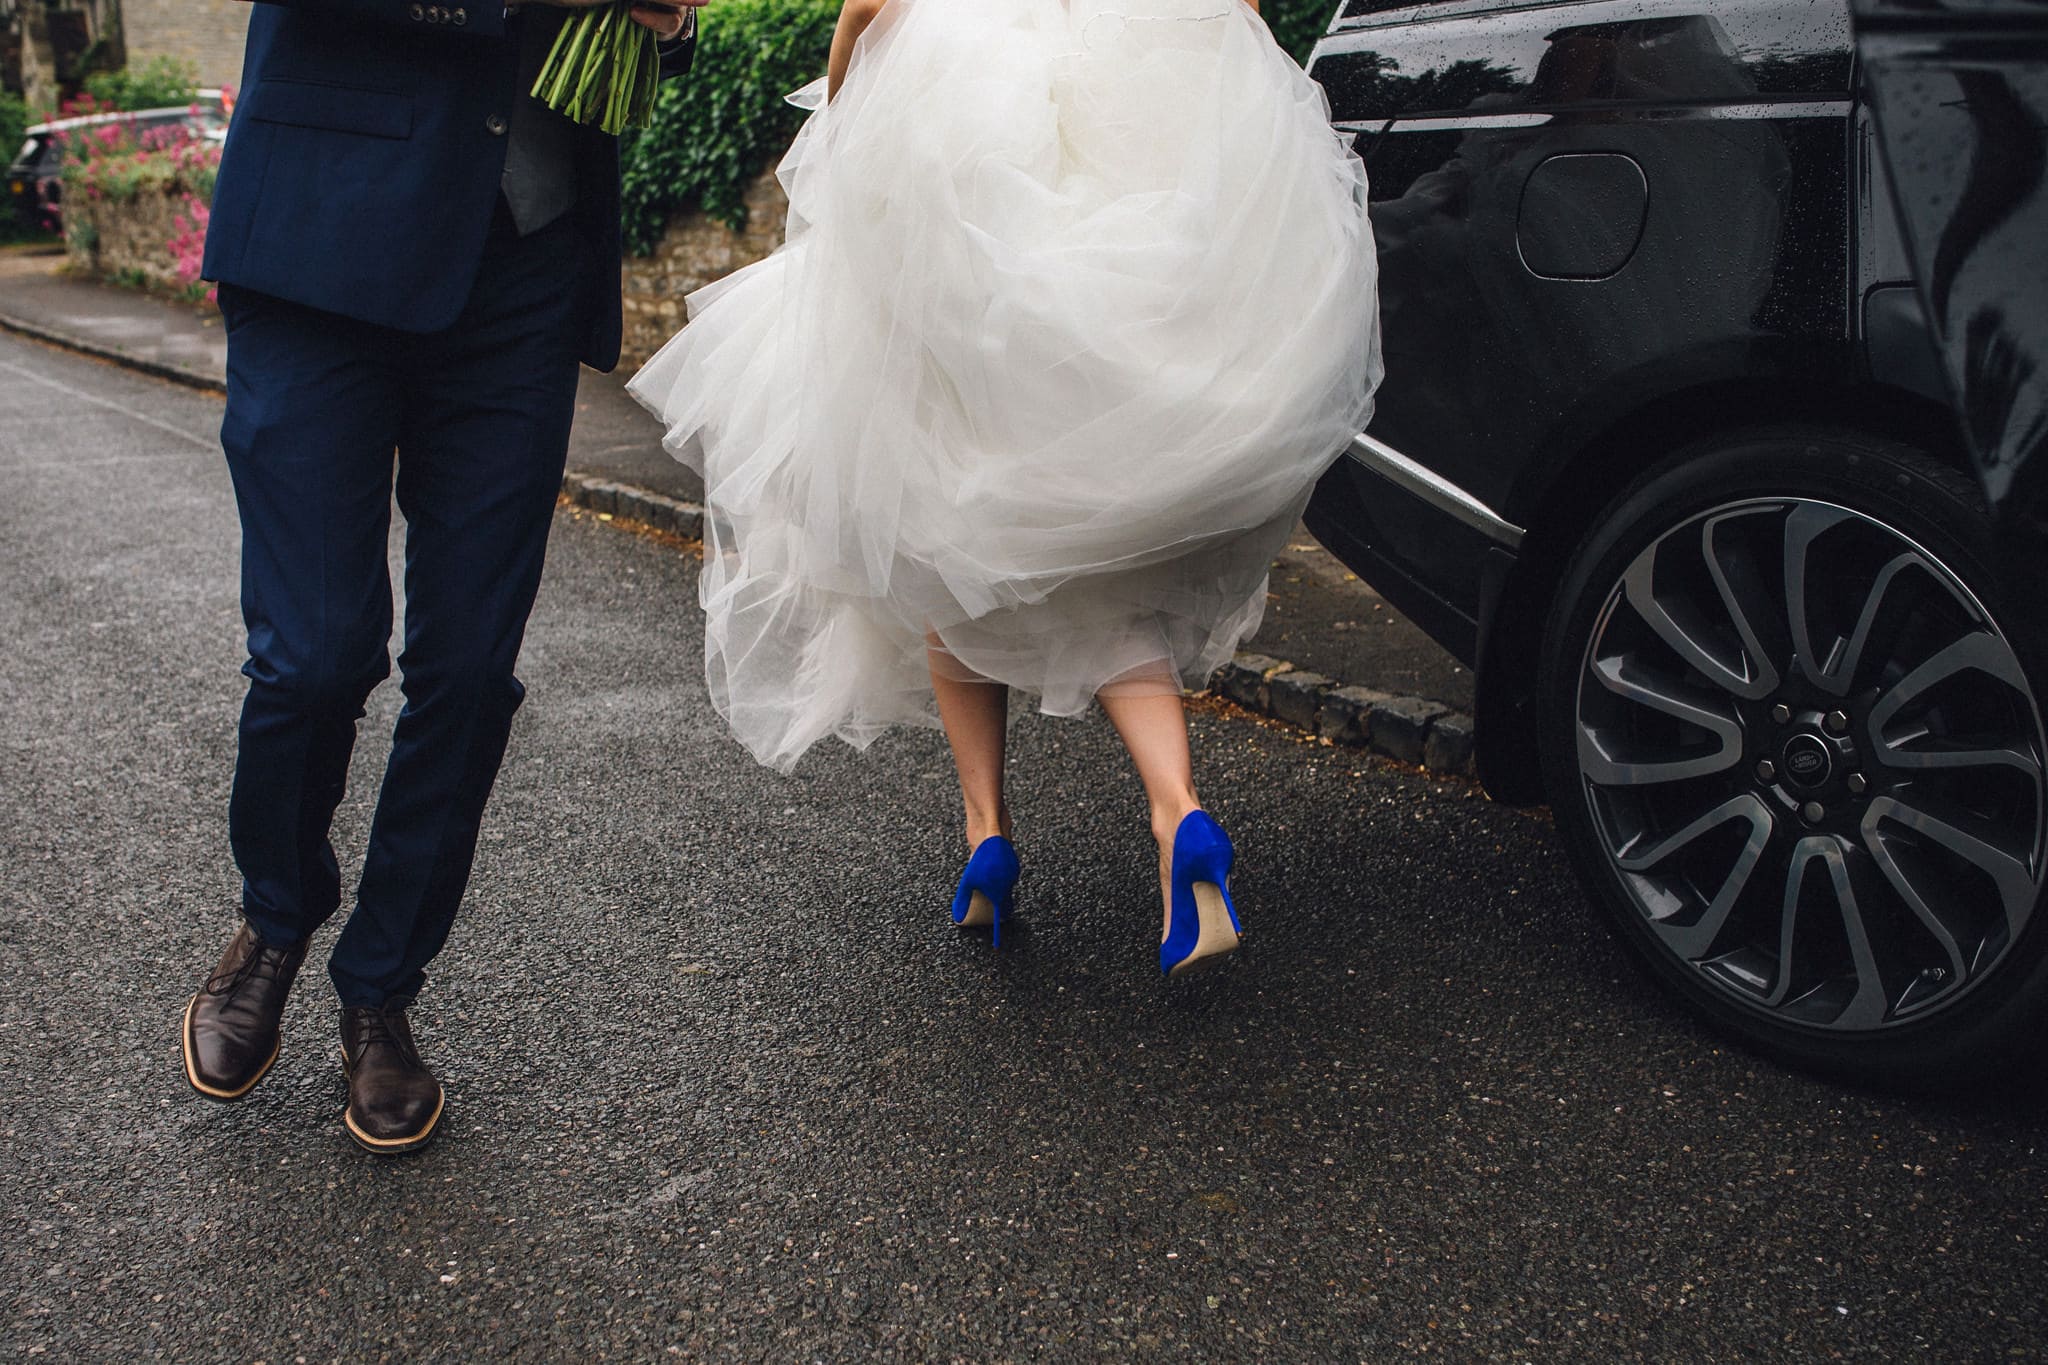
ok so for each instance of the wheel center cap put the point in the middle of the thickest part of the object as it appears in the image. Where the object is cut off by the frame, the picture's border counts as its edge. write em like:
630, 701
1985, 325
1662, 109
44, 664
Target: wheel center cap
1807, 761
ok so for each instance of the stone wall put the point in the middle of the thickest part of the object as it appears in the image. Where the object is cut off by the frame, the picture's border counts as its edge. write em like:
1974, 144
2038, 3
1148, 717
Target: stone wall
207, 33
694, 251
127, 240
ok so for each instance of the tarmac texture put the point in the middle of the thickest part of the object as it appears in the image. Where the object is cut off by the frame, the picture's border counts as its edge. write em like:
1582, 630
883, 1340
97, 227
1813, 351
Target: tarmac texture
725, 1083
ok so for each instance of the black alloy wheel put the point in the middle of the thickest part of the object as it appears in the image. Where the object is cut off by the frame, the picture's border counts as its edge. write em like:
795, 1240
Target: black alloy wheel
1794, 741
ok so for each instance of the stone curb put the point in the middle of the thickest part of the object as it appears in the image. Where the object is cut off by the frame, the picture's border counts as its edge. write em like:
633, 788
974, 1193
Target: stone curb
1411, 730
159, 369
1408, 730
658, 510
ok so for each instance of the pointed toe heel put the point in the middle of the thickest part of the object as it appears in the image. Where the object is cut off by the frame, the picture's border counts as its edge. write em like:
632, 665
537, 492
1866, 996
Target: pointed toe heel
988, 887
1202, 931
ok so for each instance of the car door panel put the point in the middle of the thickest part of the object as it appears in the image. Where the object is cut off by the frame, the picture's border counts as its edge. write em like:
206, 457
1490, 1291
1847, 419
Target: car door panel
1731, 242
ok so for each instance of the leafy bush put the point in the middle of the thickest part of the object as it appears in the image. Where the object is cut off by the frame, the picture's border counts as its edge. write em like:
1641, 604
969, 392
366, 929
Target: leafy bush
717, 130
158, 83
119, 161
115, 163
1298, 23
18, 212
14, 123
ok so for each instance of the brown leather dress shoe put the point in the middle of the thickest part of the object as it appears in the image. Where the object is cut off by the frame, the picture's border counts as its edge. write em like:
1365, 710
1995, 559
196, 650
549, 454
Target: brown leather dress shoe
393, 1100
231, 1024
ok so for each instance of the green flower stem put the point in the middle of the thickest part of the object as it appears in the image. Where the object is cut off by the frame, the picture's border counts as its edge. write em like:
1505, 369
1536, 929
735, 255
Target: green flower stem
598, 93
603, 68
579, 74
565, 57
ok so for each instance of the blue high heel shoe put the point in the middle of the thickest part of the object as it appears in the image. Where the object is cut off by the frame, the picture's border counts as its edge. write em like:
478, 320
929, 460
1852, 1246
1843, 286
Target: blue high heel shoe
1203, 928
987, 887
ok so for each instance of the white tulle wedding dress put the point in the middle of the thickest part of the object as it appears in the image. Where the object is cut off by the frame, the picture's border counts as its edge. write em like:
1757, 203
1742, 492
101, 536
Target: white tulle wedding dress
1077, 302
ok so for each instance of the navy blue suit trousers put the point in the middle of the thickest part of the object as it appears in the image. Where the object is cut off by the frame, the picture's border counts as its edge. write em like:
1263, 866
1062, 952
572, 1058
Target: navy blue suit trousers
478, 413
387, 329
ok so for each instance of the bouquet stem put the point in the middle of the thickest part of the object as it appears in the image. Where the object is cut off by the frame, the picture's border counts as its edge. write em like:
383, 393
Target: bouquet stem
602, 69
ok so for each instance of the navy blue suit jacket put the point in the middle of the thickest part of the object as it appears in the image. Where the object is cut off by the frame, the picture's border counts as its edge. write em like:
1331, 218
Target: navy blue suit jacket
362, 166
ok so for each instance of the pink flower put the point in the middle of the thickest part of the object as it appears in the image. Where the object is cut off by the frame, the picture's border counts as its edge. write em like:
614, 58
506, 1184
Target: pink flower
187, 245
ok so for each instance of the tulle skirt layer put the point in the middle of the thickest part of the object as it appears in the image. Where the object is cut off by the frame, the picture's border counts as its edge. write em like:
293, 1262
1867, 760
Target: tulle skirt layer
1077, 302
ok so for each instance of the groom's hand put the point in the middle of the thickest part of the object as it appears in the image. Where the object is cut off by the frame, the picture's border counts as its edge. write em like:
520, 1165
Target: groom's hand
665, 17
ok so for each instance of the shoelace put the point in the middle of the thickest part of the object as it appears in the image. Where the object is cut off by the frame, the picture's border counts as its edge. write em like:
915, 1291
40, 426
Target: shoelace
264, 961
376, 1027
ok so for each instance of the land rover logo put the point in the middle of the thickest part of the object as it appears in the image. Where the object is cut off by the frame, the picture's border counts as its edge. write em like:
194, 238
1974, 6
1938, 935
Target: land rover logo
1807, 760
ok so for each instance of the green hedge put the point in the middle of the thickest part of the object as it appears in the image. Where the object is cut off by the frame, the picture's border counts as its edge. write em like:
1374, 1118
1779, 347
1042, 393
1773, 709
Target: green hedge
20, 218
714, 131
159, 83
1298, 23
14, 123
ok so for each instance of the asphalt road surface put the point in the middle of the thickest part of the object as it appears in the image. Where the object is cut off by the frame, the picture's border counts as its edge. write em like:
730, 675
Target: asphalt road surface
724, 1082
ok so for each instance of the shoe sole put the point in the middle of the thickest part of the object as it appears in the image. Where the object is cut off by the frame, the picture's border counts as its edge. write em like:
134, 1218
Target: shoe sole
981, 912
192, 1070
377, 1146
1218, 938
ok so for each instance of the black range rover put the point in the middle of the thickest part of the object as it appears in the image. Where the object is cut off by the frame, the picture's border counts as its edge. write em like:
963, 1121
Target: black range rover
1668, 451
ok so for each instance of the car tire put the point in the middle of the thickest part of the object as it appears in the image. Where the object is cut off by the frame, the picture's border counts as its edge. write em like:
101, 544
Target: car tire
1822, 828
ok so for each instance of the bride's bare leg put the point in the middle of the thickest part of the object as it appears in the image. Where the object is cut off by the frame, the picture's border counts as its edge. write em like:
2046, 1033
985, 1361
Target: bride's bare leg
1154, 727
974, 711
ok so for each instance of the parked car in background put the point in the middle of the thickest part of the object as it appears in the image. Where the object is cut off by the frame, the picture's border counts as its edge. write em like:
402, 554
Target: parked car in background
38, 169
1669, 452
